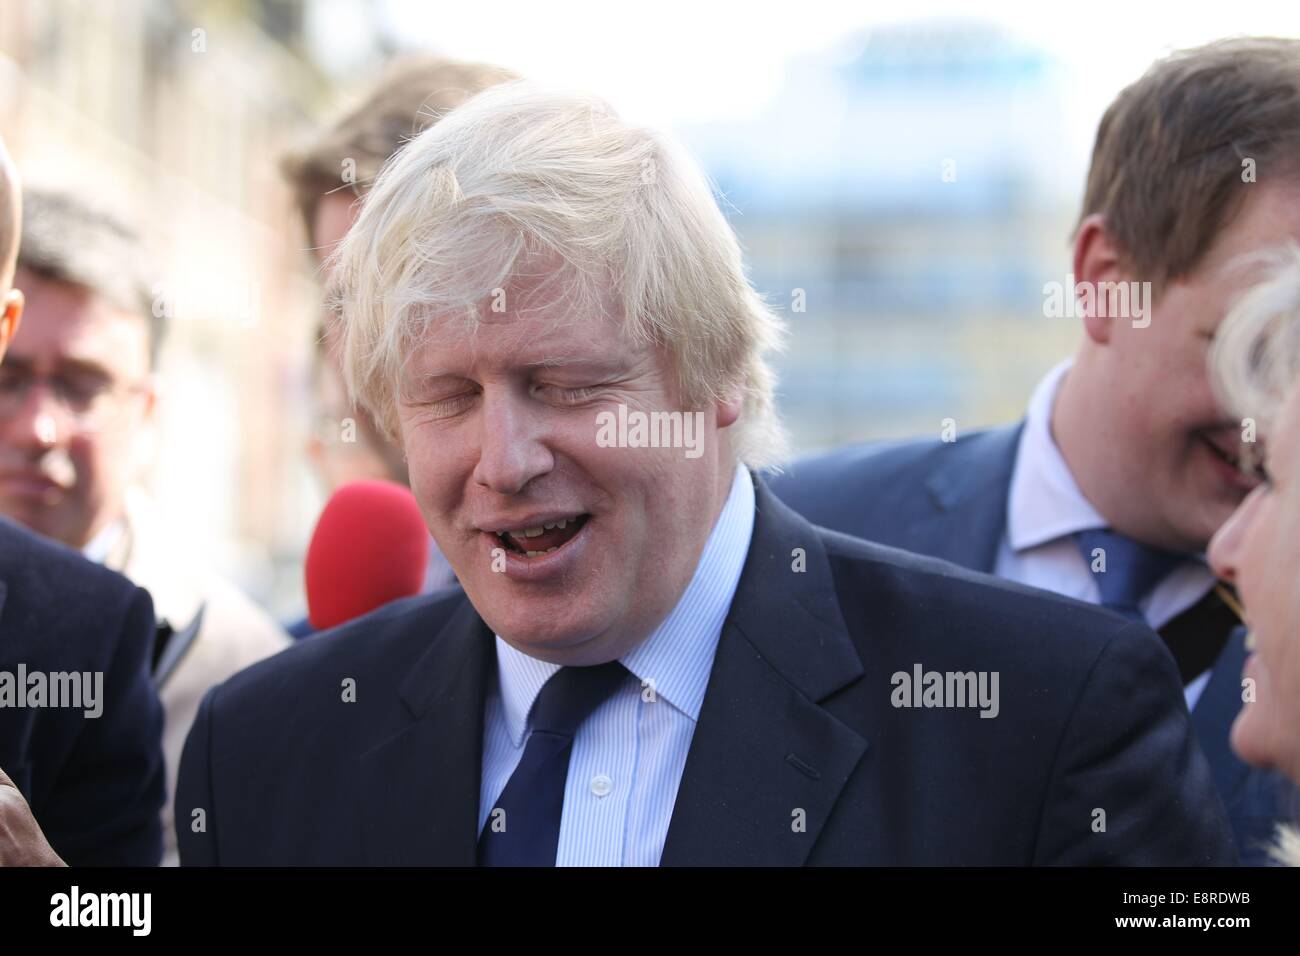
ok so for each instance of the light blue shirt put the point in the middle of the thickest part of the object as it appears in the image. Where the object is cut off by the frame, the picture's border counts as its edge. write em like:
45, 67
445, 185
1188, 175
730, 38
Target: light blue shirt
628, 756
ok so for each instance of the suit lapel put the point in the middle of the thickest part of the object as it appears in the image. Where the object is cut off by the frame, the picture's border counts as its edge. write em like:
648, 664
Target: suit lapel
766, 763
970, 500
420, 787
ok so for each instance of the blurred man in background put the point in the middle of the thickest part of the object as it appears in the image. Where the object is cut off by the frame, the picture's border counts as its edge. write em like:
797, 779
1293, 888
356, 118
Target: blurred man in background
329, 176
1111, 487
81, 784
78, 398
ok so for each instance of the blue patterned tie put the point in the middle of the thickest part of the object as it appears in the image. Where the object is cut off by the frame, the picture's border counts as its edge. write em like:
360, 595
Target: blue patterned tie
1131, 569
523, 828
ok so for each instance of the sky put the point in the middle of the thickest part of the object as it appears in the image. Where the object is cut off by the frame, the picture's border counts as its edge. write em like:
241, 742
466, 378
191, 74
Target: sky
705, 66
688, 61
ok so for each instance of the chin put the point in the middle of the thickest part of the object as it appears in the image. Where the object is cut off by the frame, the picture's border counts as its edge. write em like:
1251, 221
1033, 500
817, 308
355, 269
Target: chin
1247, 742
537, 632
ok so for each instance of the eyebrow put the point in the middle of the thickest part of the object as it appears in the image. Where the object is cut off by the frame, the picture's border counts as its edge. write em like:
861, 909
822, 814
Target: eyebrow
595, 364
592, 364
63, 365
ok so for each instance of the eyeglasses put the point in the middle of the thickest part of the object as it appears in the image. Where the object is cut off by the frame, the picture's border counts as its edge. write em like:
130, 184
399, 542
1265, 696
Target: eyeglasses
88, 398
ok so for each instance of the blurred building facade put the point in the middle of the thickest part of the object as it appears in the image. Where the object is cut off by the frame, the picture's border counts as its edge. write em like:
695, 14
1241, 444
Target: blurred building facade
178, 112
902, 204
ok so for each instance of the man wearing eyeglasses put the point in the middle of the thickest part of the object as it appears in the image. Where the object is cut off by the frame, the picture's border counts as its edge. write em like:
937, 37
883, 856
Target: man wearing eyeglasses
81, 782
77, 406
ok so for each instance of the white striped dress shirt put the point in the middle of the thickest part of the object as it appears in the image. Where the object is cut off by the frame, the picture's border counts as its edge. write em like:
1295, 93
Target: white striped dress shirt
628, 756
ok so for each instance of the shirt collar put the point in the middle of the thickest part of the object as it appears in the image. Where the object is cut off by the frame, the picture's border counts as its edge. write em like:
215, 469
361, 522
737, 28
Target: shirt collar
675, 660
1044, 502
98, 548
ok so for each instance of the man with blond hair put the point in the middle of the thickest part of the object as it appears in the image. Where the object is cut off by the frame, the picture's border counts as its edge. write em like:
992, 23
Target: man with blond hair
653, 661
1125, 464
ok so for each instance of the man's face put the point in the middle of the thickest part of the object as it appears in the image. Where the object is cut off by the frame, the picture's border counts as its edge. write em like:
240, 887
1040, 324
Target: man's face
500, 428
1259, 550
335, 213
74, 397
344, 445
1175, 450
362, 453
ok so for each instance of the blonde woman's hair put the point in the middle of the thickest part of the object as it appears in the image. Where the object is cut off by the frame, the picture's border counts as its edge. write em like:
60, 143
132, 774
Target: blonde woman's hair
1254, 363
1256, 355
622, 220
1287, 849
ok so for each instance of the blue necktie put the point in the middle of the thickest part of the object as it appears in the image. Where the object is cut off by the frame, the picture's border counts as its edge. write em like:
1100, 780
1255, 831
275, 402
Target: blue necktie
523, 828
1131, 569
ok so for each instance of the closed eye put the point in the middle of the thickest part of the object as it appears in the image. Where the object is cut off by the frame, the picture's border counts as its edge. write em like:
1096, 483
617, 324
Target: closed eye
569, 396
452, 405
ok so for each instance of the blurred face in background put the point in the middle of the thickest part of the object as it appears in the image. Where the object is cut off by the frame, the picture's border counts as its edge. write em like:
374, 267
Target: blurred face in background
1258, 550
76, 401
335, 214
1166, 456
344, 445
500, 424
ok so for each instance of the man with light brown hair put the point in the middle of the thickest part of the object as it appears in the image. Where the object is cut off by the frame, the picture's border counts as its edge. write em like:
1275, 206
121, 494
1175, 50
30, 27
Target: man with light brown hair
1111, 487
337, 167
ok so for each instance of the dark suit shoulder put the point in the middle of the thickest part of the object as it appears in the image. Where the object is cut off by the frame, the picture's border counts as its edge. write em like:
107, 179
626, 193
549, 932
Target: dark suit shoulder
61, 610
868, 489
95, 783
379, 646
1017, 623
36, 569
867, 460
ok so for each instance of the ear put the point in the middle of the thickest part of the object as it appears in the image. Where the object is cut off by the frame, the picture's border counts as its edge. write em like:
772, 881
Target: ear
10, 319
728, 410
1097, 259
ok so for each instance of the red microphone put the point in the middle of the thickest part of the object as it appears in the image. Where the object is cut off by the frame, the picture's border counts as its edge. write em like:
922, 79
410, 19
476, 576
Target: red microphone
370, 547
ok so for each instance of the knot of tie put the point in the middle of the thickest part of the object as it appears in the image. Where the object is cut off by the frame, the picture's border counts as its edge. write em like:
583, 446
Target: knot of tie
1125, 571
571, 694
524, 827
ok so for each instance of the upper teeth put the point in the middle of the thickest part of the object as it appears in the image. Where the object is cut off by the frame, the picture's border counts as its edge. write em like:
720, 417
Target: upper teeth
541, 529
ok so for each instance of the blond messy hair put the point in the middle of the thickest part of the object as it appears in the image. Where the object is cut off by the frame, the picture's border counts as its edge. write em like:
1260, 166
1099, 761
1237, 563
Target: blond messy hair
521, 174
1256, 355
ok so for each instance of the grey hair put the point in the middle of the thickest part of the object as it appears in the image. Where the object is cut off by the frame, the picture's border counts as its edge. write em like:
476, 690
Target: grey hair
71, 237
520, 173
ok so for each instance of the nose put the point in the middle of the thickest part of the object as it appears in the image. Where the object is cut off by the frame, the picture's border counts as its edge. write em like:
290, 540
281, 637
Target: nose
39, 421
512, 445
1223, 552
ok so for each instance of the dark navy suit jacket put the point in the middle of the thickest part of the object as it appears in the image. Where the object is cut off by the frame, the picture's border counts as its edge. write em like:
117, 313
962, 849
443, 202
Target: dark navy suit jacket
949, 500
799, 757
95, 784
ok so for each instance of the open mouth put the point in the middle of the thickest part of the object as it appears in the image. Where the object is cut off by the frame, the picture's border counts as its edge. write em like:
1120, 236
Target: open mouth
543, 539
